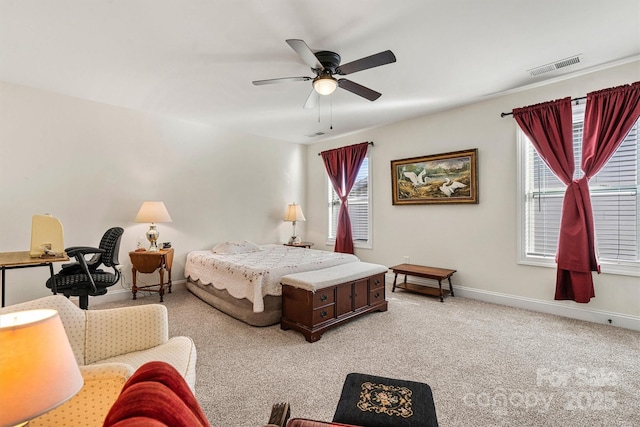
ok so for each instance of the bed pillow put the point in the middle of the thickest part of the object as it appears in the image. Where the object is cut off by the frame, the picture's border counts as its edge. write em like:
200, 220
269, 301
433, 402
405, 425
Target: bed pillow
235, 247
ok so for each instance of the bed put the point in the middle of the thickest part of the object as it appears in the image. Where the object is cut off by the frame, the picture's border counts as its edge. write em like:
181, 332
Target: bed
242, 279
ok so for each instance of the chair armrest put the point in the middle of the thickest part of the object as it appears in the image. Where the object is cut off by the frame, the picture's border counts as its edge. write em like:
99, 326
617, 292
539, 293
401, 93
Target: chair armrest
116, 331
107, 372
79, 252
102, 386
82, 250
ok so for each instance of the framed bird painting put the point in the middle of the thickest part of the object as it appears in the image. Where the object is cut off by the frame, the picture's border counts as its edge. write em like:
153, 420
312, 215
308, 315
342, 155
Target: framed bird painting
436, 179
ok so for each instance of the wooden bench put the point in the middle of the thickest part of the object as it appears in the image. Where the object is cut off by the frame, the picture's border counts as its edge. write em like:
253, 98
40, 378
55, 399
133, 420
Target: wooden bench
315, 301
433, 273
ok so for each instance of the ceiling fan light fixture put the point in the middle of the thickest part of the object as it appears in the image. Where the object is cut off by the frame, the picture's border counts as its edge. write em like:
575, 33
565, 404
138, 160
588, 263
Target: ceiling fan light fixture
325, 84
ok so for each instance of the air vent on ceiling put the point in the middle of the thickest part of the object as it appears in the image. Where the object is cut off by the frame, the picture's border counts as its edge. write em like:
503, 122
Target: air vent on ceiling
315, 134
575, 59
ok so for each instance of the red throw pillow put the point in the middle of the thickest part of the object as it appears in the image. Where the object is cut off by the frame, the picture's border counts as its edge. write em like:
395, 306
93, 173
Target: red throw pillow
156, 395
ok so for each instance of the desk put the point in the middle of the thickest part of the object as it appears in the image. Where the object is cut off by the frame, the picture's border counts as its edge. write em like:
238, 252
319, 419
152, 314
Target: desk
434, 273
10, 260
149, 262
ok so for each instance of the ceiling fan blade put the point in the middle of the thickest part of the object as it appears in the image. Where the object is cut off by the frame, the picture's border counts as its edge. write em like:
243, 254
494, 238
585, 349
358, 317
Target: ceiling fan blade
305, 53
281, 80
312, 99
382, 58
358, 89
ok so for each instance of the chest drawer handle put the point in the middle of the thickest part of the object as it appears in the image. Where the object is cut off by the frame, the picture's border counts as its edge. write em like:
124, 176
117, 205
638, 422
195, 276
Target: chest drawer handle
376, 295
323, 313
377, 281
323, 297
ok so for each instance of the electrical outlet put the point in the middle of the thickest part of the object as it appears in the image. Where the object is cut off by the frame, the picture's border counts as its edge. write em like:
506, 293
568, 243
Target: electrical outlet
407, 260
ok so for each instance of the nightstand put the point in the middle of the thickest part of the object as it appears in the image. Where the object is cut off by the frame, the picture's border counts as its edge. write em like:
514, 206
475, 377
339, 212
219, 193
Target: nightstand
300, 245
148, 262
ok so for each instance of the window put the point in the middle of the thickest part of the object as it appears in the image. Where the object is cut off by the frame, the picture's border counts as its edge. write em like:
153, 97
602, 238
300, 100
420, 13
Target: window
359, 208
614, 198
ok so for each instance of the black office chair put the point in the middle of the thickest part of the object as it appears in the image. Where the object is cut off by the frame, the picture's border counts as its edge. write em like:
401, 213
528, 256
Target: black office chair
83, 278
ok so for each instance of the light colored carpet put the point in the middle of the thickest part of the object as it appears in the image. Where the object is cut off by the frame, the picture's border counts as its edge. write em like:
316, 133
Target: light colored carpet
488, 365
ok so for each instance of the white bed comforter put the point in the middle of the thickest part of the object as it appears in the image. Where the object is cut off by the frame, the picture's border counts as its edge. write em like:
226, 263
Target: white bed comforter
253, 275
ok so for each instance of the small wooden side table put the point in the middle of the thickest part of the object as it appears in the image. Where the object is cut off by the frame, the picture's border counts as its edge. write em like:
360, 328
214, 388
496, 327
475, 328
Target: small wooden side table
300, 245
148, 262
434, 273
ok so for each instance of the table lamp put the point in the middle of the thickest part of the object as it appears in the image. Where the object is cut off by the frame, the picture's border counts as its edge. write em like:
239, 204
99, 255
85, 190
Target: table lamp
38, 370
294, 213
153, 212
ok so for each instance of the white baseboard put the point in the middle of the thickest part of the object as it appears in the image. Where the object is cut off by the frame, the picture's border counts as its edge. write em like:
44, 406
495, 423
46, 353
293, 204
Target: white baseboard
558, 308
117, 293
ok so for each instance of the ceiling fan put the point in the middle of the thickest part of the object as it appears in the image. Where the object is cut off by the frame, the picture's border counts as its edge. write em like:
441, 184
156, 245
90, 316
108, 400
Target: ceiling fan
325, 65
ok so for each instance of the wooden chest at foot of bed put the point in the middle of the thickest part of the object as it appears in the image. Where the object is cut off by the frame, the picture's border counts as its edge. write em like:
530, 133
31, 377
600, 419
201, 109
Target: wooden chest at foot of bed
315, 301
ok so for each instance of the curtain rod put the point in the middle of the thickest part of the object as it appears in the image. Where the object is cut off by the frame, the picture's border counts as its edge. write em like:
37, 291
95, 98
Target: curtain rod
370, 143
572, 100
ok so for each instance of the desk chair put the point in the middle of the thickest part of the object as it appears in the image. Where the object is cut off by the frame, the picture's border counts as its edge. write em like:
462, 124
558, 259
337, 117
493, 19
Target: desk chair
83, 278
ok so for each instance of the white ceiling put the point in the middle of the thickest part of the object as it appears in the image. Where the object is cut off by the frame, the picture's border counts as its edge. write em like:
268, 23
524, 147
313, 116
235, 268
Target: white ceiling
196, 59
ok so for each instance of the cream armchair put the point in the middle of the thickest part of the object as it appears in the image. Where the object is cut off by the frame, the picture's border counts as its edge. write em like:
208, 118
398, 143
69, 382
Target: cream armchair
109, 345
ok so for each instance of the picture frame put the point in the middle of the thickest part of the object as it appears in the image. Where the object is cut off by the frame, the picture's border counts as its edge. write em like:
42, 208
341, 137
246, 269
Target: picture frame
445, 178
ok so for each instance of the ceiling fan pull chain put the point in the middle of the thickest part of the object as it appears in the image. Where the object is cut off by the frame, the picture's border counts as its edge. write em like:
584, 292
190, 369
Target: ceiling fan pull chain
331, 113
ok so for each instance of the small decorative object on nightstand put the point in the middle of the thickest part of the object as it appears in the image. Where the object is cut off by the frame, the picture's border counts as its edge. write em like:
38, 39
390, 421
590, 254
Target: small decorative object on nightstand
300, 245
148, 262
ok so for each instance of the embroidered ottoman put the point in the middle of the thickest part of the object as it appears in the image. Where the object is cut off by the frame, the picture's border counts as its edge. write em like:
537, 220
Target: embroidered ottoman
371, 401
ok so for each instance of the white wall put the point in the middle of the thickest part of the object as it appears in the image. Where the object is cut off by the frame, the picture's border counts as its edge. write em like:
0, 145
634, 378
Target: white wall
477, 240
92, 166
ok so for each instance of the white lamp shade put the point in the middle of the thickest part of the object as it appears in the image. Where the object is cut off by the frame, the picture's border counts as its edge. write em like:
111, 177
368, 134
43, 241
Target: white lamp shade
294, 213
153, 212
38, 370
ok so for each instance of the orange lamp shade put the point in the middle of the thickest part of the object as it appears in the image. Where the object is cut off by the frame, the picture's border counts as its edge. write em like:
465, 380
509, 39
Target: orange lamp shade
38, 370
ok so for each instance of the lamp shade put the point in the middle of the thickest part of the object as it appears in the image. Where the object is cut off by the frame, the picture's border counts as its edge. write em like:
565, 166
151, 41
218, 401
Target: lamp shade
294, 213
325, 85
153, 212
38, 370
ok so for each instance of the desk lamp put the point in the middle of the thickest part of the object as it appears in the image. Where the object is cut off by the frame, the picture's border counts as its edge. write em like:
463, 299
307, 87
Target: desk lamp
294, 213
38, 370
153, 212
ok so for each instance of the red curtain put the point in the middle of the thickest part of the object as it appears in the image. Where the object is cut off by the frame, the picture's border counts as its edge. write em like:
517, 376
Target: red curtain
549, 128
342, 165
609, 116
